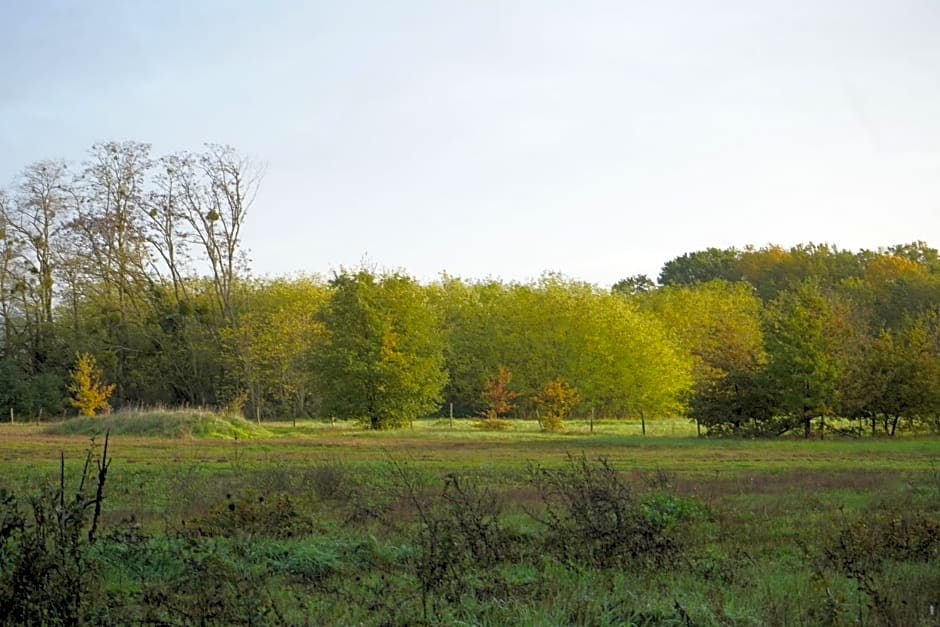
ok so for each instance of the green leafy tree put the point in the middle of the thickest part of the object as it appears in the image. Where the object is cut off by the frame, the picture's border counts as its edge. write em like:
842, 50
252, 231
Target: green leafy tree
381, 355
270, 349
547, 332
621, 359
918, 252
701, 266
636, 284
477, 337
89, 394
534, 330
808, 336
630, 365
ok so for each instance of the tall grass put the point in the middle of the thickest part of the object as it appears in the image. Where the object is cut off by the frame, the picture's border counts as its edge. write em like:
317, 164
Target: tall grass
164, 423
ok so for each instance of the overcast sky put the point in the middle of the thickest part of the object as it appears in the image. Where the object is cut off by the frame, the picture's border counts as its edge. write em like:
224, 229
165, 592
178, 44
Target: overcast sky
503, 139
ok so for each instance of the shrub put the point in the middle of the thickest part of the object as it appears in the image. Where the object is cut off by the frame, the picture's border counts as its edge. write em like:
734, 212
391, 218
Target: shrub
210, 586
556, 399
871, 550
497, 397
552, 423
492, 424
460, 541
593, 519
47, 574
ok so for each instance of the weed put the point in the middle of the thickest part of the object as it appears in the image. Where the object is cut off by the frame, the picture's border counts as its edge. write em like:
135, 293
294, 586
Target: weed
211, 586
874, 549
46, 573
250, 516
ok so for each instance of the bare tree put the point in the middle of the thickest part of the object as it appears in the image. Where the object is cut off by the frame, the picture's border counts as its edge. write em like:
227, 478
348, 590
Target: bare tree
218, 188
110, 226
40, 209
10, 275
112, 207
166, 226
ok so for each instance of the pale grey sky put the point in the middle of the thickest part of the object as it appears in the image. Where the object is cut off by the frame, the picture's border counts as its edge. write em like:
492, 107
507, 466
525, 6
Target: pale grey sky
599, 139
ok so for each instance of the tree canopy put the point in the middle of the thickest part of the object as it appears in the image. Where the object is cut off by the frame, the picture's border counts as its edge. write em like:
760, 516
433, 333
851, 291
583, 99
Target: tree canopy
135, 260
381, 357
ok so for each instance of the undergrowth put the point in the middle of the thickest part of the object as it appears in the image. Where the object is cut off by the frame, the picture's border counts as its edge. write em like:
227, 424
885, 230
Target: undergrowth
395, 543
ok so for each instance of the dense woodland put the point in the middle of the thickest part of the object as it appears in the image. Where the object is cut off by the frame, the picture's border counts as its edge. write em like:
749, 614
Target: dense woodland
136, 259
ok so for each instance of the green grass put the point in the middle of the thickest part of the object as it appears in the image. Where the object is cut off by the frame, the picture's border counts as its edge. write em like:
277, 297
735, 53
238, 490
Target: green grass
764, 514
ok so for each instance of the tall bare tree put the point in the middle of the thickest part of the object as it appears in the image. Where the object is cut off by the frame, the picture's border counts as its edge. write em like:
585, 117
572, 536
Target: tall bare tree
218, 188
110, 221
10, 277
34, 217
166, 228
39, 211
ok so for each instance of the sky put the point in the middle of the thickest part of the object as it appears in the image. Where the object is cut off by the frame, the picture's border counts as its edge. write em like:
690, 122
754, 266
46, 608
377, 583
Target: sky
505, 139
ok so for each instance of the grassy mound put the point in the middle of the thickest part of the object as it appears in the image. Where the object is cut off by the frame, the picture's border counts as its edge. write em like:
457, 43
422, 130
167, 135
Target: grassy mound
167, 423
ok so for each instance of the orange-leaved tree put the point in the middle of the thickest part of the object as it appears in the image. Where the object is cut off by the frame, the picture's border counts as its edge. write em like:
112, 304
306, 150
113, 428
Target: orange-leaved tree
497, 396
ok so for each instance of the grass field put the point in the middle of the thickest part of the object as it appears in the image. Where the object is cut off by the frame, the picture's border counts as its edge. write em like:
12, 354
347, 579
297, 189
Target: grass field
319, 522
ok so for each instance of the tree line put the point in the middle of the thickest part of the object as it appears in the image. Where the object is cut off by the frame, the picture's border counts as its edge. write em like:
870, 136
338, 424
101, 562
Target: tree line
137, 260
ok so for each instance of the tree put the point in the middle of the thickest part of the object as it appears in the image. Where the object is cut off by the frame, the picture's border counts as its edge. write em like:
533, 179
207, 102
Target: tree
115, 257
556, 401
216, 189
381, 355
719, 323
270, 349
629, 364
165, 222
897, 375
620, 359
497, 397
772, 269
32, 224
808, 335
11, 274
918, 252
474, 329
89, 394
701, 266
39, 213
636, 284
535, 330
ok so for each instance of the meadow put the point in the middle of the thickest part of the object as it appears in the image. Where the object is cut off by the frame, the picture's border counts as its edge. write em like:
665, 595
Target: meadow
207, 519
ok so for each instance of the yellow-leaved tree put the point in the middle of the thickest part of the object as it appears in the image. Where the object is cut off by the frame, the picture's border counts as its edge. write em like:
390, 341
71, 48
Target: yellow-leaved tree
89, 394
556, 399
